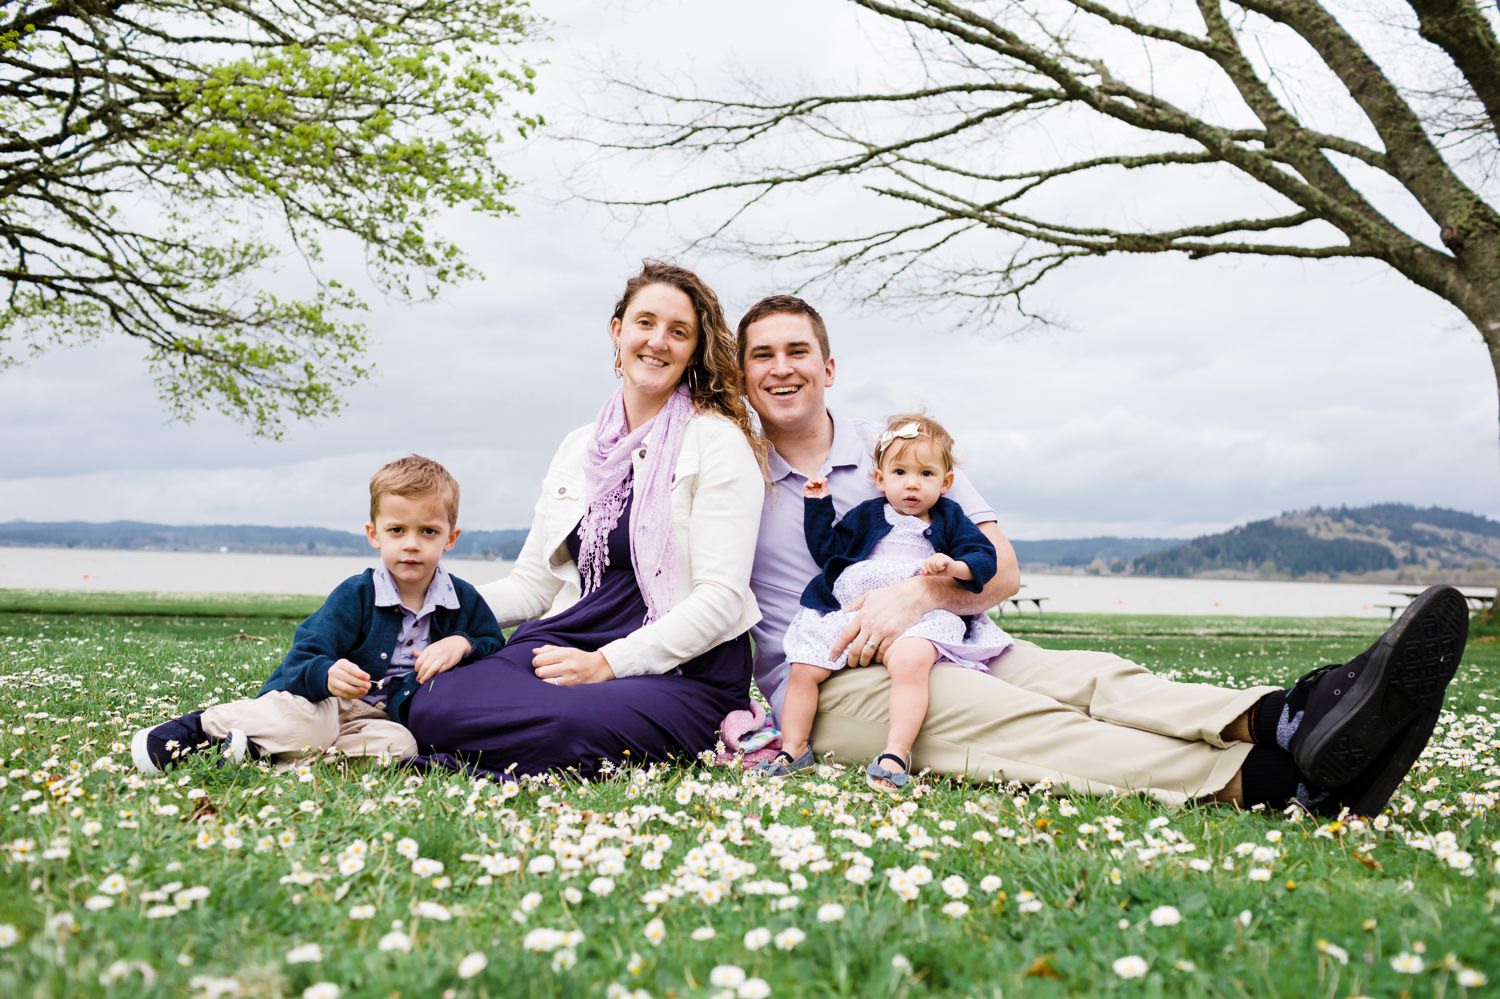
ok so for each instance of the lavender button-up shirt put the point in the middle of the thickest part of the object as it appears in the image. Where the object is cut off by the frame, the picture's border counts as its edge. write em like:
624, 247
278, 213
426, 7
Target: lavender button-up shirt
415, 626
783, 565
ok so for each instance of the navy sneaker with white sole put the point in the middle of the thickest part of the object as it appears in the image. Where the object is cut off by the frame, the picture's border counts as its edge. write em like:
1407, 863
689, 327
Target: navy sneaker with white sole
1350, 713
155, 749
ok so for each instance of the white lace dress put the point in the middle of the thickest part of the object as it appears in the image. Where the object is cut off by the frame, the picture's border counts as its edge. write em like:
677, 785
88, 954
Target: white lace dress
897, 556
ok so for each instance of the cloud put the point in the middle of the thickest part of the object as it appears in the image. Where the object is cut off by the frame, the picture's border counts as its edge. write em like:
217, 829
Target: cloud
1177, 398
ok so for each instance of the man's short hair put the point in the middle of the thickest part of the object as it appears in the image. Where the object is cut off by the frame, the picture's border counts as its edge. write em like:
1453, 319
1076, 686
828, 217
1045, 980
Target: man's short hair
775, 305
414, 476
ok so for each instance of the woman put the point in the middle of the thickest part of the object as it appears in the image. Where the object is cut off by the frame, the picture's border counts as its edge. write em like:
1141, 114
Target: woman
635, 579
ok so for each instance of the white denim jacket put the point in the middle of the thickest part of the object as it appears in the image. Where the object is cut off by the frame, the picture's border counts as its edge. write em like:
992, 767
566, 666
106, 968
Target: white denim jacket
717, 491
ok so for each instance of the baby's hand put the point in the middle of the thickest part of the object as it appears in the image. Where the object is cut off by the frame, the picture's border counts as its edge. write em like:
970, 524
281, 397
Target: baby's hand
441, 656
347, 680
936, 565
815, 488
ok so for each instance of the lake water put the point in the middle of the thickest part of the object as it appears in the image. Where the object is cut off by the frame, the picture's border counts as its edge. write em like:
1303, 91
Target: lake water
209, 572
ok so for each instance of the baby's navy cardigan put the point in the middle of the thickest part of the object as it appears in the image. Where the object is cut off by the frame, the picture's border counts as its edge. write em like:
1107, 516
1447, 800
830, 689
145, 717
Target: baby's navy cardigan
838, 546
350, 626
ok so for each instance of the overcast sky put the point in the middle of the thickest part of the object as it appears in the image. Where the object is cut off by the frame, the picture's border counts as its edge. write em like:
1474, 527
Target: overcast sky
1177, 398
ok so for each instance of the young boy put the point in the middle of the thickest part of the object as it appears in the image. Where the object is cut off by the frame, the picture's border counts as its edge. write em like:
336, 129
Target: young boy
355, 663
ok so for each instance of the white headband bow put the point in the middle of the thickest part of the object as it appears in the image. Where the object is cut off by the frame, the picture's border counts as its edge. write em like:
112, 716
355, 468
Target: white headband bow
907, 431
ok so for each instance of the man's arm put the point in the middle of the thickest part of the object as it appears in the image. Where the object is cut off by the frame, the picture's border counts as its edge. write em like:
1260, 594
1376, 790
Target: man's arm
881, 615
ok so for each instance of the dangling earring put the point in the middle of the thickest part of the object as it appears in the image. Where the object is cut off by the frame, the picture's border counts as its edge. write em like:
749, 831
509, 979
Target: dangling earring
618, 373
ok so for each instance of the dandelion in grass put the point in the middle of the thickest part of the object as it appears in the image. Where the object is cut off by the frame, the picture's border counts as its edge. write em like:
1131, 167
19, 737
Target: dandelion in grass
1334, 951
304, 954
1408, 964
1131, 966
789, 938
471, 965
726, 976
395, 942
1165, 915
431, 910
209, 987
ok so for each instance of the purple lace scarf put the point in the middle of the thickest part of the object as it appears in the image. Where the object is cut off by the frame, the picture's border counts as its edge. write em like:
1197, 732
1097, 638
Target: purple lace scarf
607, 474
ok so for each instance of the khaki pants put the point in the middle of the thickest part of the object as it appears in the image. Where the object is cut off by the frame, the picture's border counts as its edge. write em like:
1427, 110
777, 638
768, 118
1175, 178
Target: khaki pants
291, 727
1089, 721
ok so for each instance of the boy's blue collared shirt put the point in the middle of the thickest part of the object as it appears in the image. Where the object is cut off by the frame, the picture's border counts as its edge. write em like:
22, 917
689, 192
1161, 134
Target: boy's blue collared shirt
415, 626
351, 626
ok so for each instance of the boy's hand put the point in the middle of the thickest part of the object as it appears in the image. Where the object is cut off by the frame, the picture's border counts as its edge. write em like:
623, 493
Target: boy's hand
347, 680
815, 488
441, 656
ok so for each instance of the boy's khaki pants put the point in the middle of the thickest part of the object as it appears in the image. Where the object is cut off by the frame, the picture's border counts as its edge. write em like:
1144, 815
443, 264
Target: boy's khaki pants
1088, 721
290, 727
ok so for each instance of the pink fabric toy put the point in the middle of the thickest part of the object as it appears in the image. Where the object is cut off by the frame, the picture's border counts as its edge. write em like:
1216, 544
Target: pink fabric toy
742, 728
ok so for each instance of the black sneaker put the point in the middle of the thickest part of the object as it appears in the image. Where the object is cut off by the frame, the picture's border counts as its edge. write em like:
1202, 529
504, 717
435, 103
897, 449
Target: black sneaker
1350, 713
1368, 793
155, 749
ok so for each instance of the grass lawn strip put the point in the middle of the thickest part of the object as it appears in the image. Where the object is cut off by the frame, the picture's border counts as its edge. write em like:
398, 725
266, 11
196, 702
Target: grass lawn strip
687, 880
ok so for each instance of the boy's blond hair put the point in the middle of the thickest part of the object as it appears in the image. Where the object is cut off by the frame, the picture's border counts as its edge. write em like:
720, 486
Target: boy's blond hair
927, 427
414, 476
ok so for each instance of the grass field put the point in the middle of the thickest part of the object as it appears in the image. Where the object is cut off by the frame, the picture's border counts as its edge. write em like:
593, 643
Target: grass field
684, 880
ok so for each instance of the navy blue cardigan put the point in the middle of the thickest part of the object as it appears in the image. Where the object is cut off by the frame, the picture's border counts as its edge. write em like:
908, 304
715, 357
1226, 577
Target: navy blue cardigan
350, 626
838, 546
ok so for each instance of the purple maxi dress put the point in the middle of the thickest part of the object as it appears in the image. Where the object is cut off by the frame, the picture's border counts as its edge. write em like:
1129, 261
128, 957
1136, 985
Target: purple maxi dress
495, 716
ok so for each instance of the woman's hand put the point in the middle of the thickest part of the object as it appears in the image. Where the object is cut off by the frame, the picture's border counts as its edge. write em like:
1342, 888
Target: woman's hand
570, 667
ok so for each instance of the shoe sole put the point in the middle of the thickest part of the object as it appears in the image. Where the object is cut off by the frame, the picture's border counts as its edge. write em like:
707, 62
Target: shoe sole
1406, 675
141, 756
236, 746
1379, 793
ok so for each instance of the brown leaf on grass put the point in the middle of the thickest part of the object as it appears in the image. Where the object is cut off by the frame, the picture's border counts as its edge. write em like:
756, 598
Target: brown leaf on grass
1042, 968
243, 637
202, 809
1368, 860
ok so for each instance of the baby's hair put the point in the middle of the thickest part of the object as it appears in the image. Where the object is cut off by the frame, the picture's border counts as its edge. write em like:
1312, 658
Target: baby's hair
414, 476
926, 427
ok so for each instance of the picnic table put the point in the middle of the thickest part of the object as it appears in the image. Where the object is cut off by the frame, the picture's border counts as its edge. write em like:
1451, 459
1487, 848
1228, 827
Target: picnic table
1477, 601
1019, 599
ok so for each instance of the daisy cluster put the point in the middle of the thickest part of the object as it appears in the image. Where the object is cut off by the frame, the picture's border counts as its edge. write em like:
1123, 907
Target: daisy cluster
333, 879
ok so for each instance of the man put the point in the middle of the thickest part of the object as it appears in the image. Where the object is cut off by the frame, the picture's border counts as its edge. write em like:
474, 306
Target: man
1342, 737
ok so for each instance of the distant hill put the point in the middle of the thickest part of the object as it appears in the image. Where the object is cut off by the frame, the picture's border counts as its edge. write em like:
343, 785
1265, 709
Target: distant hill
1388, 541
130, 534
1078, 553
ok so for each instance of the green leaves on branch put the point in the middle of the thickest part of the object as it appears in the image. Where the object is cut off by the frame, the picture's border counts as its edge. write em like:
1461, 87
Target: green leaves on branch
130, 133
